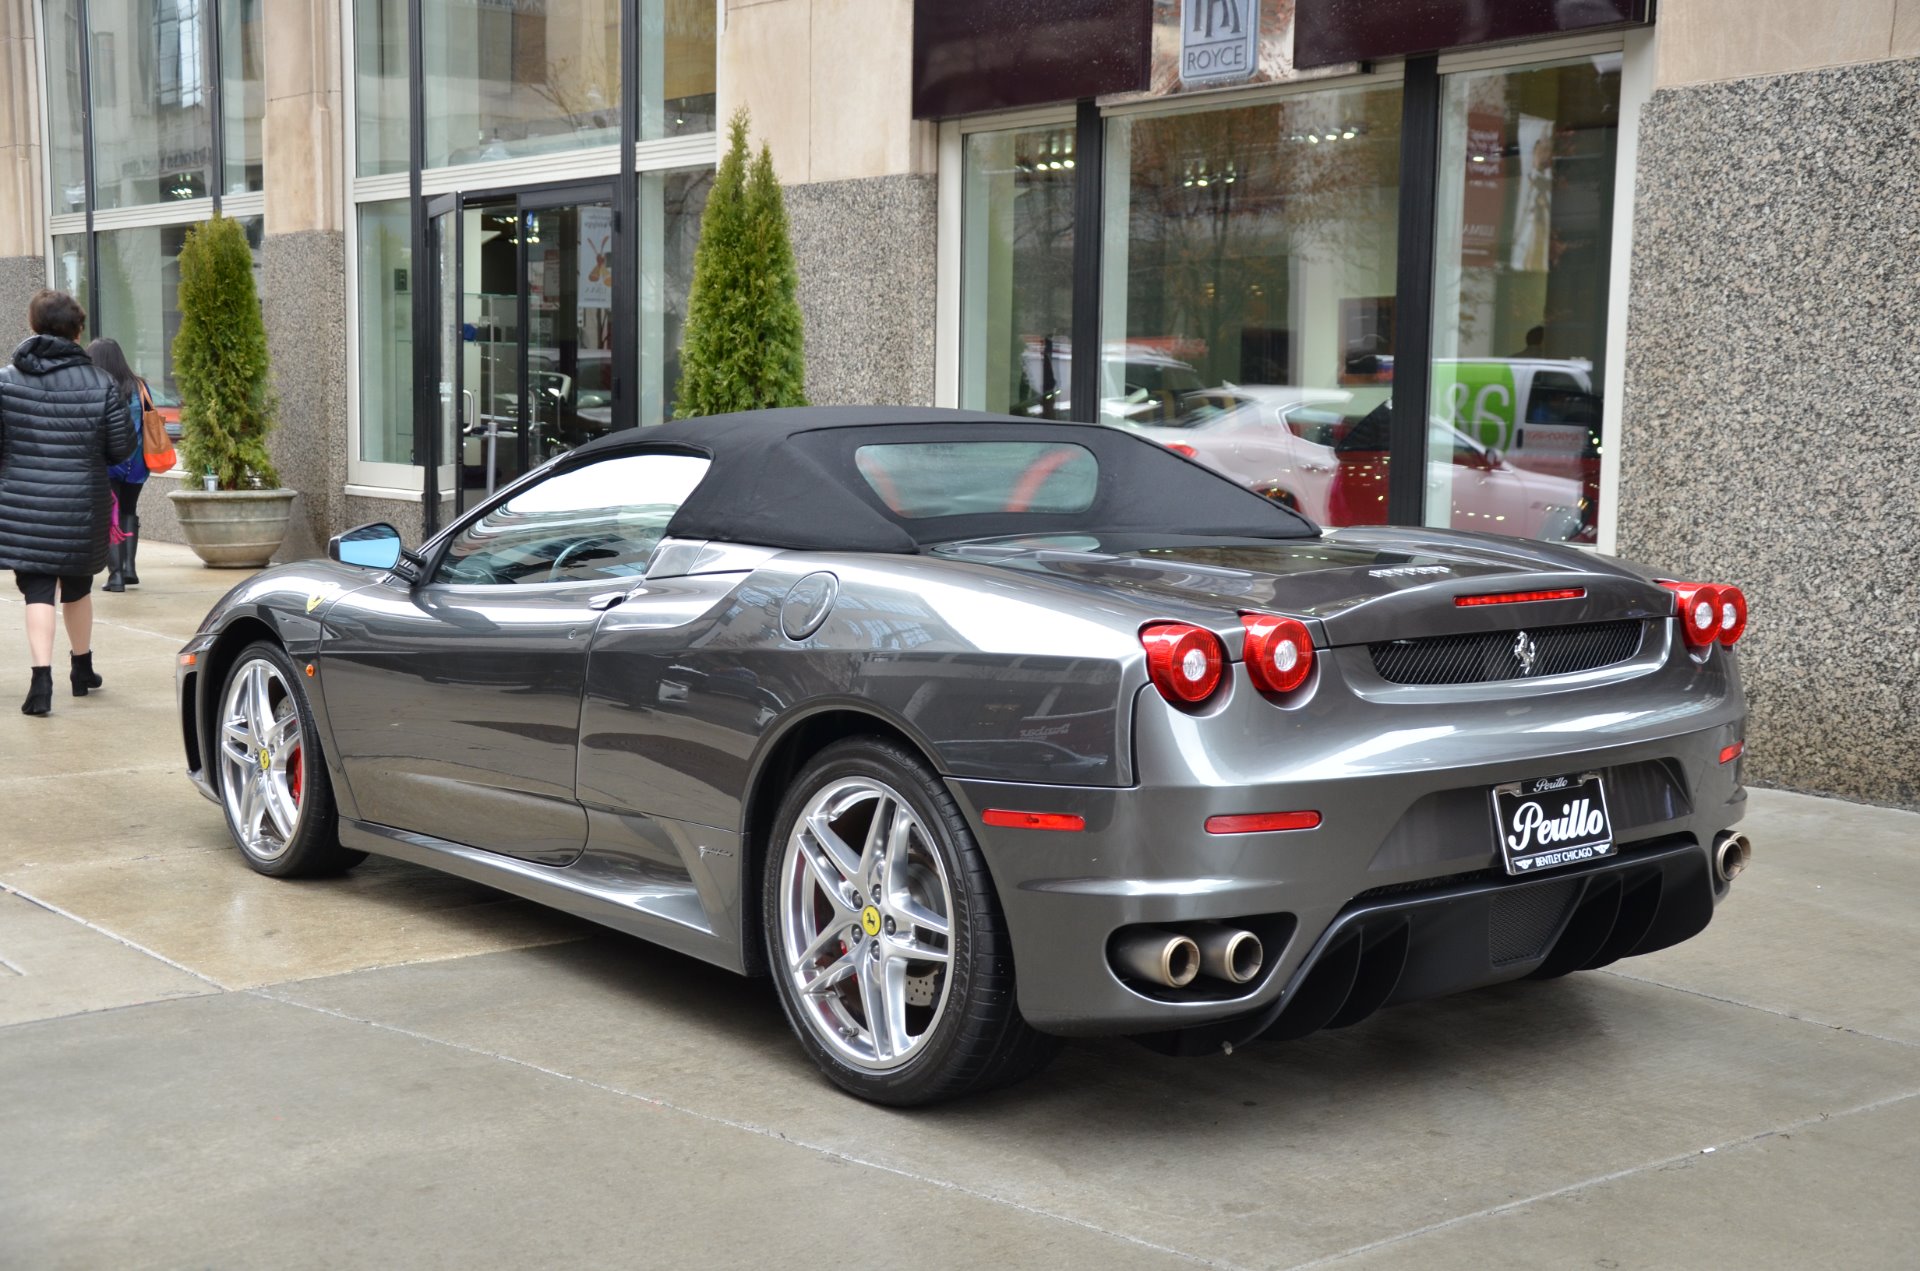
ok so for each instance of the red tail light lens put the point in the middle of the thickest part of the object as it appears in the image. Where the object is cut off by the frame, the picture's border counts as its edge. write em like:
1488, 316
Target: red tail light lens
1700, 614
1182, 448
1184, 662
1733, 615
1279, 652
1733, 752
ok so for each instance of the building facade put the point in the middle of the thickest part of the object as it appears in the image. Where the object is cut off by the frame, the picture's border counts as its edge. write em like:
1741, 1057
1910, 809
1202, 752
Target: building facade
1632, 276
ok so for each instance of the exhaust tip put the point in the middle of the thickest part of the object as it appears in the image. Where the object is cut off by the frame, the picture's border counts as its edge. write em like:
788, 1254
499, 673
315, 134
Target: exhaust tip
1230, 954
1732, 853
1166, 958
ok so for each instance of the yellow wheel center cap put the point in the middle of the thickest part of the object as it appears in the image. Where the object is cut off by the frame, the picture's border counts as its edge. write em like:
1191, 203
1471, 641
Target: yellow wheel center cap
870, 920
266, 762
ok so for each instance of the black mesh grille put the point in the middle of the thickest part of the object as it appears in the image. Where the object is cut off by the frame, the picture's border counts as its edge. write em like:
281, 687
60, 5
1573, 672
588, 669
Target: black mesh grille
1491, 655
1524, 919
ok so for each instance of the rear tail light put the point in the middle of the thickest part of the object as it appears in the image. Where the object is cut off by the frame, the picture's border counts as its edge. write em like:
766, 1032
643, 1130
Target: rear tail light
1182, 448
1279, 652
1733, 615
1184, 662
1699, 611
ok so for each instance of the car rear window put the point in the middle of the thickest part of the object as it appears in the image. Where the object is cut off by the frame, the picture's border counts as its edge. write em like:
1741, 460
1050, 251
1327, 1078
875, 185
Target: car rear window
922, 480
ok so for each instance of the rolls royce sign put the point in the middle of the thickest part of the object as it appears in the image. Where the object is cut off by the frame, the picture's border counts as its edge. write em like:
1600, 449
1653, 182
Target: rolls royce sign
1219, 40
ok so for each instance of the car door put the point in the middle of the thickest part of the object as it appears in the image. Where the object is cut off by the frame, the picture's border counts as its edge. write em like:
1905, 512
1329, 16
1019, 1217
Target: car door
456, 701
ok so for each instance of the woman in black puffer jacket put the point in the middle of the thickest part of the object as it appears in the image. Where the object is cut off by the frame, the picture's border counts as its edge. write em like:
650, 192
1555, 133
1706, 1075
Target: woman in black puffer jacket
62, 423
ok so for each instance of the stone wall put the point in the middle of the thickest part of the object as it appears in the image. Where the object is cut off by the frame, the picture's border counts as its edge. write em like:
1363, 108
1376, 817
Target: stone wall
303, 298
865, 253
1773, 369
20, 278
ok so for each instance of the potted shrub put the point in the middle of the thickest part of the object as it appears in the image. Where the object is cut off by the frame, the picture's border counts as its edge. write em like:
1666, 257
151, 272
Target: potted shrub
744, 343
231, 509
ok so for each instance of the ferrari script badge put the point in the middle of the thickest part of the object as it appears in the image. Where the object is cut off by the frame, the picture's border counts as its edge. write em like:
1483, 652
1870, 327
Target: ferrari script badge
870, 920
1525, 652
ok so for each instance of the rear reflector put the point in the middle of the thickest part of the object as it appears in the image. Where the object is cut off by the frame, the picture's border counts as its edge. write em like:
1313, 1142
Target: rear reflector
1733, 752
1262, 822
1519, 597
1033, 820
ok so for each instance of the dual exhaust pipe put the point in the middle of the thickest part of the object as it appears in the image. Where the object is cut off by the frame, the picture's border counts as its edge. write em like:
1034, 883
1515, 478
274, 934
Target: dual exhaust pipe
1174, 959
1732, 853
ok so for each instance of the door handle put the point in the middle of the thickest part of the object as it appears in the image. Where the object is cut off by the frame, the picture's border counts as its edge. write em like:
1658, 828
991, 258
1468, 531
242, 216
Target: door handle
606, 600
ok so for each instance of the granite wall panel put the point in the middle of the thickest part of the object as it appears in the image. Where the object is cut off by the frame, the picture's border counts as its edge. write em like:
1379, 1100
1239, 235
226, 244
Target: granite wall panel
1773, 364
865, 252
20, 277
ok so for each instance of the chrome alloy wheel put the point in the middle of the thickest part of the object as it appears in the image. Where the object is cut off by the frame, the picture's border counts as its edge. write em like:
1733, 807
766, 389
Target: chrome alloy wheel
262, 760
866, 931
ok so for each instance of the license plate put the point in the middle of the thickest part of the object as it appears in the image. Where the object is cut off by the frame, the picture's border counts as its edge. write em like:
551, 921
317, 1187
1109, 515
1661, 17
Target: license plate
1551, 821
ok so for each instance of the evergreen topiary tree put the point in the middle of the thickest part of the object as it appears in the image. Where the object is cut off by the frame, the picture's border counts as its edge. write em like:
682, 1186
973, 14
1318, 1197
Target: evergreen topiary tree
220, 360
745, 345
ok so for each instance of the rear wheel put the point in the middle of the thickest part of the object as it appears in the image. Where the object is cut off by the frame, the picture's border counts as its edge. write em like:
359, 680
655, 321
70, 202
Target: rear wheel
884, 934
273, 779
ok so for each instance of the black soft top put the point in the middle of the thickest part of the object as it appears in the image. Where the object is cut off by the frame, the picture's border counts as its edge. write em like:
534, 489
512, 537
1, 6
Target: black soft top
787, 478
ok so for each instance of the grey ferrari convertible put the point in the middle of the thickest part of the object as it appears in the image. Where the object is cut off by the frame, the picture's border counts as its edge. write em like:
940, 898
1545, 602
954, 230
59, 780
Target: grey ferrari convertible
974, 732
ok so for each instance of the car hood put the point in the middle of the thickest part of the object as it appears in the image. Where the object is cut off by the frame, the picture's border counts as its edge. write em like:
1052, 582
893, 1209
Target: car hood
1357, 586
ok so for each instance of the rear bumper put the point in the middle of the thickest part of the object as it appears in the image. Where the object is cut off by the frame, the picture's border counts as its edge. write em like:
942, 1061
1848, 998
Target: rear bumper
1405, 861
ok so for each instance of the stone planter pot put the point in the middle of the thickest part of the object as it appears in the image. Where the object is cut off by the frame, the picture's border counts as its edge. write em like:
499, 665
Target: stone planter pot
233, 529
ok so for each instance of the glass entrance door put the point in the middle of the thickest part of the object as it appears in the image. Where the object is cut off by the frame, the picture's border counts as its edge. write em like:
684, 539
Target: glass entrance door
535, 302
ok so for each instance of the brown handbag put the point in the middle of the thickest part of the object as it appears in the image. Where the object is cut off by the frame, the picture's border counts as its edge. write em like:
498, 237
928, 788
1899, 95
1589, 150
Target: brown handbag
155, 446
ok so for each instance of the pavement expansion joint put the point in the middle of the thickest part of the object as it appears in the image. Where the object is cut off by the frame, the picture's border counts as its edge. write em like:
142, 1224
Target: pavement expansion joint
762, 1131
99, 622
50, 907
1755, 1006
1599, 1180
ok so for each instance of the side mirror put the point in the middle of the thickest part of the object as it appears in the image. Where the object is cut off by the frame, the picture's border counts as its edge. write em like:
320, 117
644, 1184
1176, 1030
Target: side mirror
375, 546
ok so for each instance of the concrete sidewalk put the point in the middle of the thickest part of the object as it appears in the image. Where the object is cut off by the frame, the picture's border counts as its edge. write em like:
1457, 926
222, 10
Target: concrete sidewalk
203, 1067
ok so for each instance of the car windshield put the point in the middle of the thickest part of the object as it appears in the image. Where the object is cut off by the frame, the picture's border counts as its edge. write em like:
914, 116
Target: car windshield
919, 480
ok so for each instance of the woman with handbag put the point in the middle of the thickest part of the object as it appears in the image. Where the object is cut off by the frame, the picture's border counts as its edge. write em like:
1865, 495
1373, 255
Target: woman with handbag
63, 421
128, 477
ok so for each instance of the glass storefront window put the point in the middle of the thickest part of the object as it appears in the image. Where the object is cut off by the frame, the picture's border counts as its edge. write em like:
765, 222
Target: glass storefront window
1016, 254
1248, 303
671, 204
139, 293
1520, 299
70, 268
679, 58
66, 107
504, 81
150, 76
242, 94
386, 332
380, 86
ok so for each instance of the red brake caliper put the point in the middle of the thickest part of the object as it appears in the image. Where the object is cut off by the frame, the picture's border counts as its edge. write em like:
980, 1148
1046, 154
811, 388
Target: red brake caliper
296, 768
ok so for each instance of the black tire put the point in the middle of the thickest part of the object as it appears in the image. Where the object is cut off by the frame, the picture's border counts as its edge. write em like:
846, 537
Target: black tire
978, 1040
313, 848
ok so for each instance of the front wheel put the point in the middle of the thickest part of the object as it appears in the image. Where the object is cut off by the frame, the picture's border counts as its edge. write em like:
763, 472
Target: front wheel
273, 780
885, 936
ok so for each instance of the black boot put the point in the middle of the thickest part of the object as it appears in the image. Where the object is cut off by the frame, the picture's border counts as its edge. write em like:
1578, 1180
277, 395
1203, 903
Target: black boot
131, 549
116, 566
39, 693
82, 677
